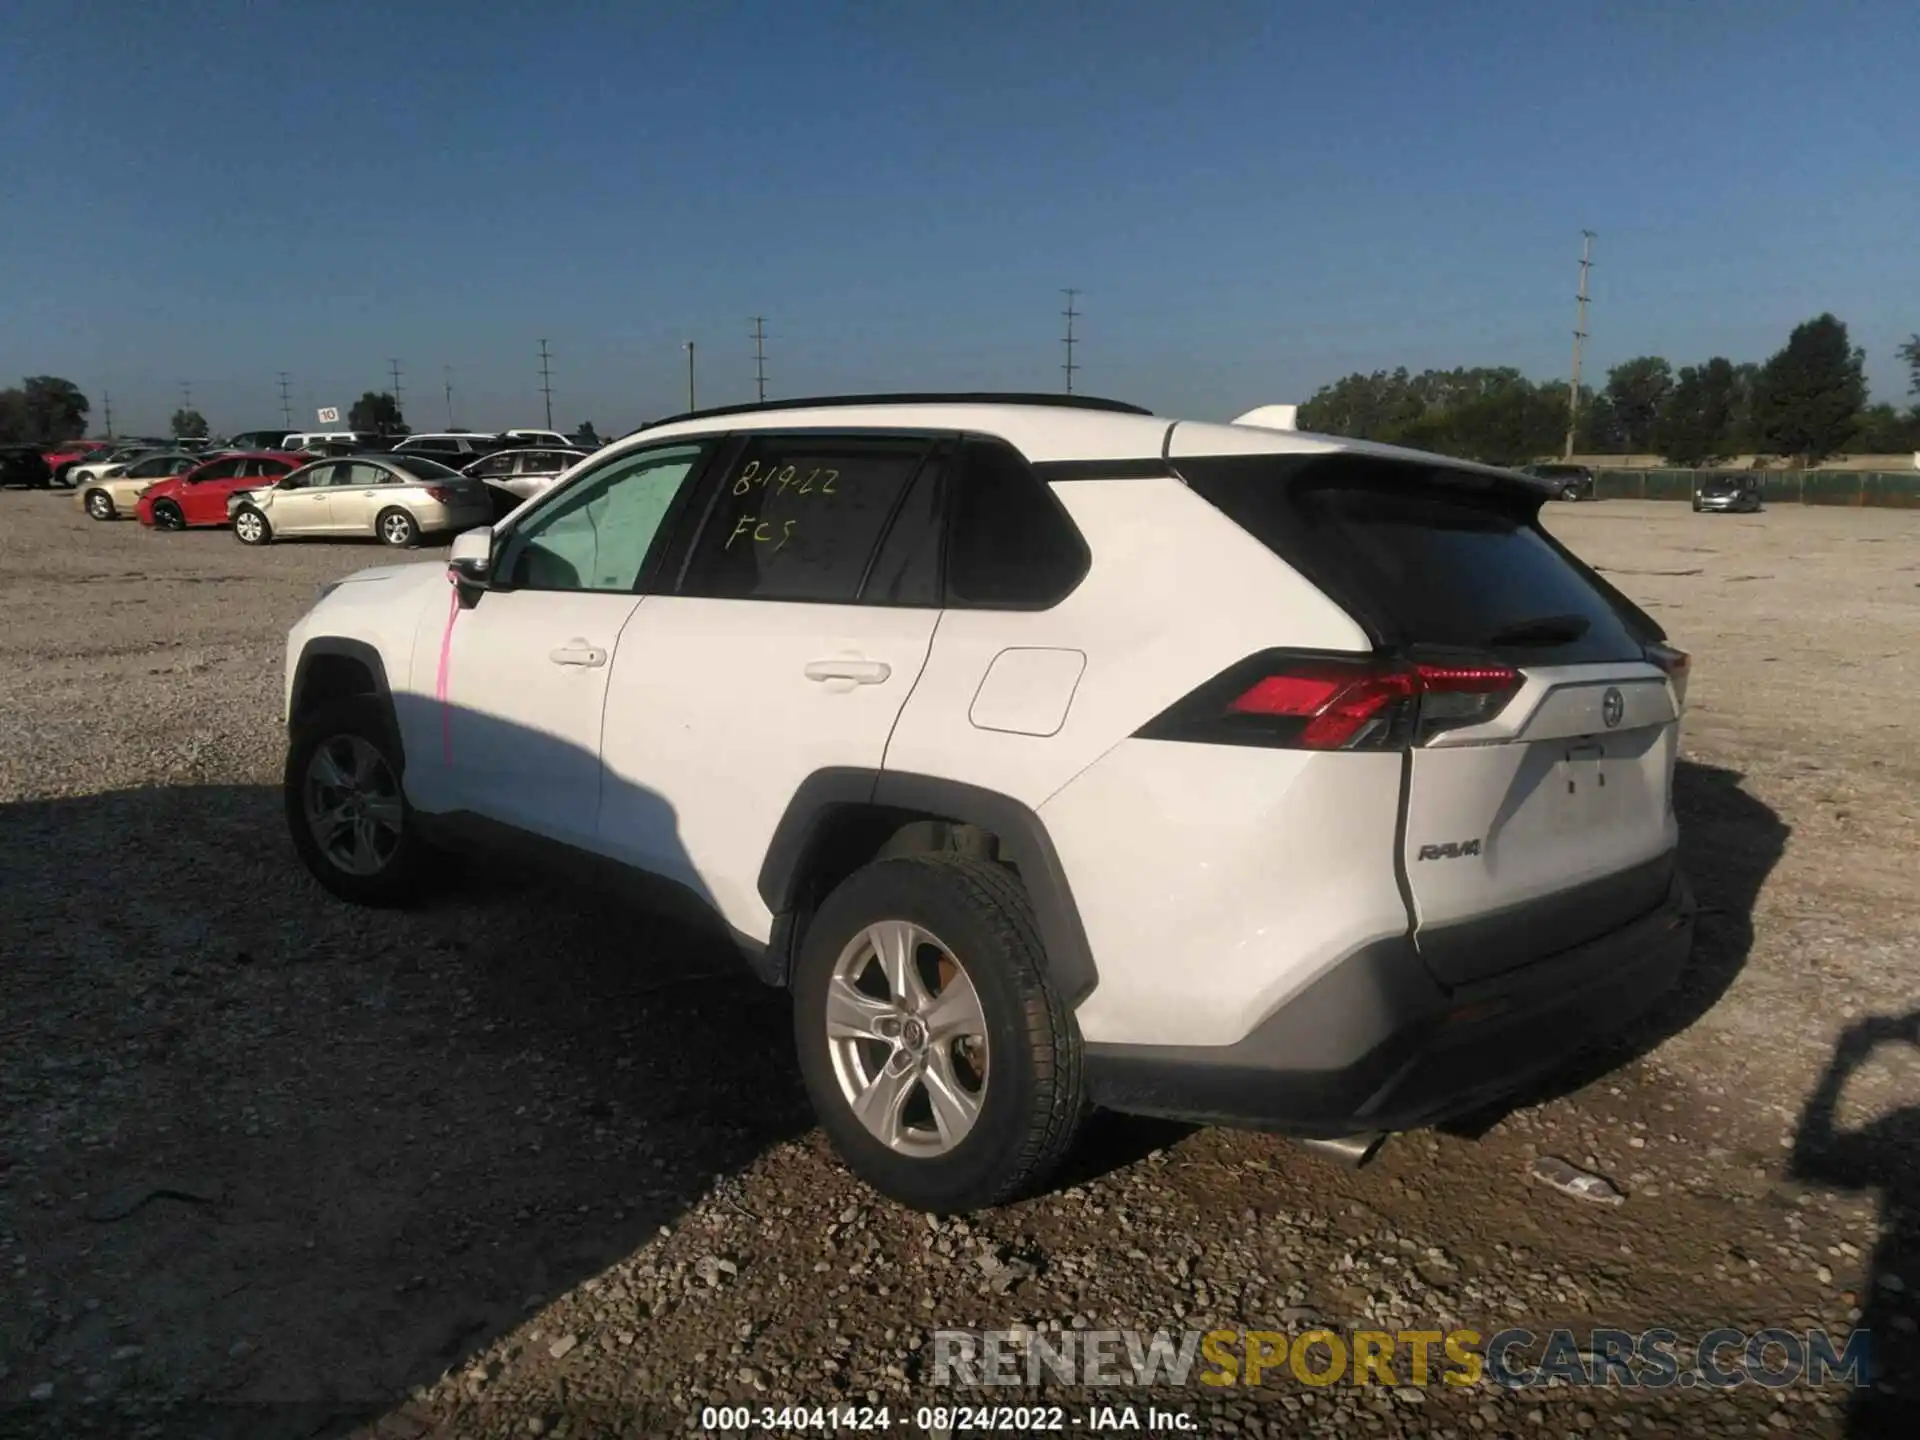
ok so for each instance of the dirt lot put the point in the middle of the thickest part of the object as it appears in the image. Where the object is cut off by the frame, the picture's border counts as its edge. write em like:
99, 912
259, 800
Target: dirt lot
522, 1163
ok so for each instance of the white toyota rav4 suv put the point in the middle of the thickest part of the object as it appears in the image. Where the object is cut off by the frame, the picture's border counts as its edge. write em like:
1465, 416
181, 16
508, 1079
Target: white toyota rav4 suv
1051, 753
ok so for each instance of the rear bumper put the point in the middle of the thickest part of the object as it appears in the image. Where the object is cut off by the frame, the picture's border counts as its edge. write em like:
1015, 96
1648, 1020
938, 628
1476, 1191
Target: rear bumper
1377, 1044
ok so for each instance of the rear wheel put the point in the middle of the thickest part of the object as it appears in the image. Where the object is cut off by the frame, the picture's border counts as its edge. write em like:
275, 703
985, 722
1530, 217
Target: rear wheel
1570, 492
396, 528
167, 516
100, 505
346, 811
940, 1060
250, 527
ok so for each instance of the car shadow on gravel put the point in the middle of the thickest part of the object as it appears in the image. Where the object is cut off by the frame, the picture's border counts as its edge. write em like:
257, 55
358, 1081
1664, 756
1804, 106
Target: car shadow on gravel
1729, 843
283, 1159
1880, 1158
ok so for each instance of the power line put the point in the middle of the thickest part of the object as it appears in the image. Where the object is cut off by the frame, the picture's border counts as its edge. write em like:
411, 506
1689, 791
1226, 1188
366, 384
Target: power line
546, 383
760, 357
286, 402
1579, 341
1071, 315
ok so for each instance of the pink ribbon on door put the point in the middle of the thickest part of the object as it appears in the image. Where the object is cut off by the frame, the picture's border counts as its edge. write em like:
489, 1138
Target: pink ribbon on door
440, 679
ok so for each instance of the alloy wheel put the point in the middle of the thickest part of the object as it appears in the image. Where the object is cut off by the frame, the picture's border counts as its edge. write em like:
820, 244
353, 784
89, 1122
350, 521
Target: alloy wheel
248, 527
352, 804
908, 1038
396, 529
99, 506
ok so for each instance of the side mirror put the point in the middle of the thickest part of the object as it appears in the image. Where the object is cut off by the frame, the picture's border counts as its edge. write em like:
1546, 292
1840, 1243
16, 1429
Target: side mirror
470, 560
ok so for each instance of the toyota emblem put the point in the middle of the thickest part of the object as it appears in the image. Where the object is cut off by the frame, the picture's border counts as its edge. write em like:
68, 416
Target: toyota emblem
1613, 707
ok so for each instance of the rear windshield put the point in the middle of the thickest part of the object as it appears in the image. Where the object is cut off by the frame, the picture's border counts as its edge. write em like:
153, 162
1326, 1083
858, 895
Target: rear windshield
414, 463
1425, 556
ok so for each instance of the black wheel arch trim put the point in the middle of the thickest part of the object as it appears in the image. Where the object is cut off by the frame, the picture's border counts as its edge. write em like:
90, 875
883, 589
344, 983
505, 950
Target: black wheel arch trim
1024, 843
341, 647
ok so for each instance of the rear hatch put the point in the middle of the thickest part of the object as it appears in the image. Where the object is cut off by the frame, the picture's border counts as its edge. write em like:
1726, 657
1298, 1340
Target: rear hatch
1540, 716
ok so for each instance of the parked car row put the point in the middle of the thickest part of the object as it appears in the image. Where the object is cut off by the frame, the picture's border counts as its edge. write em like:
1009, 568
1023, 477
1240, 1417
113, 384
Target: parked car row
276, 484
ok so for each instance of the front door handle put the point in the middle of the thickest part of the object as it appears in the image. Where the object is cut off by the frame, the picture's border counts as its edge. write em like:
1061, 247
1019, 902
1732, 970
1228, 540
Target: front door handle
578, 652
860, 672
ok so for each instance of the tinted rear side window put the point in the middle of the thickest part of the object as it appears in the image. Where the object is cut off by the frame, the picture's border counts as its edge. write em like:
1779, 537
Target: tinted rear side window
798, 517
1010, 544
1423, 555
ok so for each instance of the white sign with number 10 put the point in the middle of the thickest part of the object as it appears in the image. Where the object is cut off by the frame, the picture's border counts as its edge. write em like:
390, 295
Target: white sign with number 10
330, 416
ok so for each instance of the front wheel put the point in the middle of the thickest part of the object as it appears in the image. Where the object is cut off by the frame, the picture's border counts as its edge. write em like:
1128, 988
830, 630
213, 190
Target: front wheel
168, 516
100, 505
345, 808
943, 1065
250, 527
1571, 492
396, 528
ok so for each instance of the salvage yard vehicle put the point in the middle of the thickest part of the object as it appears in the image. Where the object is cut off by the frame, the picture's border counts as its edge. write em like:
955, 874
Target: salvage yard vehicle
79, 472
112, 493
199, 496
25, 465
396, 498
1050, 754
1563, 479
1732, 494
521, 474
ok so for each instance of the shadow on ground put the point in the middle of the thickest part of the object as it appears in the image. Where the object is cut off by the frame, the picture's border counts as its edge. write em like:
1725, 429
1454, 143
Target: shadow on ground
1880, 1158
1729, 843
276, 1159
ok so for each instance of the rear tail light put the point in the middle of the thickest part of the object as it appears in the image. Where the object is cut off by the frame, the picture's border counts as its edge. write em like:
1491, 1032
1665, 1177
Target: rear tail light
1334, 703
443, 494
1679, 667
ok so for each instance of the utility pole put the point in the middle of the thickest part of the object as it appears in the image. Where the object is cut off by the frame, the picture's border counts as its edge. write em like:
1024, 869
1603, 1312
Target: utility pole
286, 403
394, 367
447, 370
1071, 315
546, 383
186, 394
760, 357
1579, 340
690, 401
106, 402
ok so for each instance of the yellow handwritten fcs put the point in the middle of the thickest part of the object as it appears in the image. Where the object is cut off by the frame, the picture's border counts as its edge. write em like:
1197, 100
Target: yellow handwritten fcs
761, 532
784, 478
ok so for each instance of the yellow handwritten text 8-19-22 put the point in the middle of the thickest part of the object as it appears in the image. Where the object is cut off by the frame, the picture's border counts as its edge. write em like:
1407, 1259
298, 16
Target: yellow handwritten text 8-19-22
817, 481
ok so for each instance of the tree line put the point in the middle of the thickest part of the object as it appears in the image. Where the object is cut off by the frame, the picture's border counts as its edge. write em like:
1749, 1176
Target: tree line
1807, 401
49, 410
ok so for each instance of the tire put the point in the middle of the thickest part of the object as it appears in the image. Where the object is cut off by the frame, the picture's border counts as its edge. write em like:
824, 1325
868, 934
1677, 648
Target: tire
397, 528
347, 752
1571, 492
100, 505
168, 516
250, 526
1031, 1093
1696, 505
63, 477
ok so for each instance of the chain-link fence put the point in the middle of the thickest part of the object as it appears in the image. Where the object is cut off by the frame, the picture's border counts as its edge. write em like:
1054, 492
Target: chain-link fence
1777, 487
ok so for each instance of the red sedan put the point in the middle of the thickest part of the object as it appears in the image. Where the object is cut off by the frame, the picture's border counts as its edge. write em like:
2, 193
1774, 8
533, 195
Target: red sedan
199, 497
62, 458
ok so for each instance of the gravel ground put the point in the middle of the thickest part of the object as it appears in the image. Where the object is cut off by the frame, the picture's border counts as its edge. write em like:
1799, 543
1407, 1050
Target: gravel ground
521, 1163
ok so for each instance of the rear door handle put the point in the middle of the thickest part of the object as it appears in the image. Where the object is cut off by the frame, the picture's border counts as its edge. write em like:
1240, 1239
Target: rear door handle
860, 672
578, 652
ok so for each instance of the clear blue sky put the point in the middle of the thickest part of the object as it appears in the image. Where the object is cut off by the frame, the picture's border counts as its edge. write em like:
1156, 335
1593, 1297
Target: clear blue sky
1254, 198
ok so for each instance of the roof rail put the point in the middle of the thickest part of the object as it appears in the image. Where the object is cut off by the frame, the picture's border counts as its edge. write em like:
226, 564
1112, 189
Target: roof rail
932, 397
